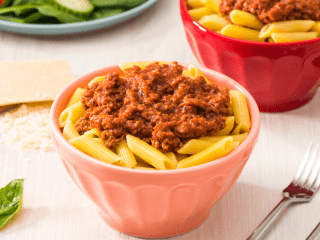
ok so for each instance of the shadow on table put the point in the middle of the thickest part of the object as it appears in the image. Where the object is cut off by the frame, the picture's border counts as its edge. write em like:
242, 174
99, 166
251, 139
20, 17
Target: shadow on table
25, 218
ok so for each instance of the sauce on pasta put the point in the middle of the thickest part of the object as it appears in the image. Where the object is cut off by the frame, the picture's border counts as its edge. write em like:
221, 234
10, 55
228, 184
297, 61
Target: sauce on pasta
275, 10
156, 104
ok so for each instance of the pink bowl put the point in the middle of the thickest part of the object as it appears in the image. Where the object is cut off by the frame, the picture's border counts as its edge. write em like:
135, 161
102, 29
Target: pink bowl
280, 76
146, 203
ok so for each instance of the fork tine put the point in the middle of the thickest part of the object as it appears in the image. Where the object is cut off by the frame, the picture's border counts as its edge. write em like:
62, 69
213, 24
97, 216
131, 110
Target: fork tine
305, 176
308, 169
316, 177
302, 166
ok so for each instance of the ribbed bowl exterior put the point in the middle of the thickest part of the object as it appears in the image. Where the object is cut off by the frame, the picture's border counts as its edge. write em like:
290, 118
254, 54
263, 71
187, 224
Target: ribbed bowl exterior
146, 203
280, 77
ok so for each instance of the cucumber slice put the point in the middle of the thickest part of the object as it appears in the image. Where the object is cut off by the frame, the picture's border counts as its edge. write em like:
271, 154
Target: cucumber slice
77, 7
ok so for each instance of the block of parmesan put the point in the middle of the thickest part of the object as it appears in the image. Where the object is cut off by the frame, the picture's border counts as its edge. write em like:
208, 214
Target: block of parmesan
33, 81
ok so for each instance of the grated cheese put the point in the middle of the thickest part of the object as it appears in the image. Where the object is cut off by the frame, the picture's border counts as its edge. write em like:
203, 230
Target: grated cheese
28, 126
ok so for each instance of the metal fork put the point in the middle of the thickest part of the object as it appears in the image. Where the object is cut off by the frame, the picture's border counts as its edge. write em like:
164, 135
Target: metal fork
302, 189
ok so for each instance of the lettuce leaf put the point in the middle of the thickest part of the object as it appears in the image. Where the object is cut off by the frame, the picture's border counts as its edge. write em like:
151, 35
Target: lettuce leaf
10, 200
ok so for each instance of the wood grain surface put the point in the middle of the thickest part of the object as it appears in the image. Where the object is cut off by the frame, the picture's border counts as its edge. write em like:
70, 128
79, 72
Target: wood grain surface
55, 209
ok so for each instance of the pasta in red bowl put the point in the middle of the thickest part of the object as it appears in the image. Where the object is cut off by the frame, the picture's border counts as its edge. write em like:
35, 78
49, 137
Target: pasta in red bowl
272, 52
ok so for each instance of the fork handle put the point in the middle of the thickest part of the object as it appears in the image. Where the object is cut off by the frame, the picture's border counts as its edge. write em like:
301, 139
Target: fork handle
270, 220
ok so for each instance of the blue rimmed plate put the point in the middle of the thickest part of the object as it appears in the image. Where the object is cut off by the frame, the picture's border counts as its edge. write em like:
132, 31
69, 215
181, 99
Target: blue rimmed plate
73, 28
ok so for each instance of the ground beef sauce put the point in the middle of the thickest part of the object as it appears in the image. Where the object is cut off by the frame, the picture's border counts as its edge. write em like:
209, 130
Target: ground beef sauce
155, 104
275, 10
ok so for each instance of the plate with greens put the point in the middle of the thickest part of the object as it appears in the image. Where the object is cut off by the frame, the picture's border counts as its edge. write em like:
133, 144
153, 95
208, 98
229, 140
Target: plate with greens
60, 17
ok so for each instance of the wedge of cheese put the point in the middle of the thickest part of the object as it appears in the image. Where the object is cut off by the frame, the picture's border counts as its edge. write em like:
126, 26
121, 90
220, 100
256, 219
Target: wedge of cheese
32, 81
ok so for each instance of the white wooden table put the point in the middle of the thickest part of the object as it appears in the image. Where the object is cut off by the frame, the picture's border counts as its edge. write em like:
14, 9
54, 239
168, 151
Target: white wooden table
55, 209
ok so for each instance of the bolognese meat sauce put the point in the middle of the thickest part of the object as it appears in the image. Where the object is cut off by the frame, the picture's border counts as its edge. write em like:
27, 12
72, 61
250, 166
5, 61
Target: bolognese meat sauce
275, 10
156, 104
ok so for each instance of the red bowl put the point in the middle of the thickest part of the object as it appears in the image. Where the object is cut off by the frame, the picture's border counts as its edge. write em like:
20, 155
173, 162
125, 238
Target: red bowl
280, 76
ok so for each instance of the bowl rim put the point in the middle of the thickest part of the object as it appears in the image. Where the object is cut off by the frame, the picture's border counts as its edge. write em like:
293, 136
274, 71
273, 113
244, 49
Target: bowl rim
185, 15
252, 136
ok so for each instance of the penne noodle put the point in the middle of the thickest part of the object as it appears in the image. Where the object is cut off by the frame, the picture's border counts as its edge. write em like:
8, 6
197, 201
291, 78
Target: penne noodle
94, 149
72, 113
172, 157
240, 108
179, 156
236, 138
293, 37
144, 168
214, 152
149, 154
198, 13
228, 128
243, 33
212, 4
241, 128
99, 140
93, 133
316, 27
245, 19
76, 97
213, 22
234, 145
270, 40
195, 3
69, 131
285, 27
96, 79
126, 154
195, 72
194, 146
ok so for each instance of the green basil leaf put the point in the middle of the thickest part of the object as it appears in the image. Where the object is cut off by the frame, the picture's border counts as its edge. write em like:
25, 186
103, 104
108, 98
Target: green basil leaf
10, 200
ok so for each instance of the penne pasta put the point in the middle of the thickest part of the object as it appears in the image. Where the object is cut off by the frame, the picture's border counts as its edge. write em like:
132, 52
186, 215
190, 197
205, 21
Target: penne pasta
96, 79
236, 138
245, 19
241, 128
316, 27
94, 149
76, 97
198, 13
214, 152
135, 153
195, 3
228, 128
98, 140
286, 26
149, 154
212, 4
213, 22
240, 108
69, 131
293, 37
195, 72
126, 154
243, 33
72, 113
172, 157
194, 146
179, 156
93, 133
234, 145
